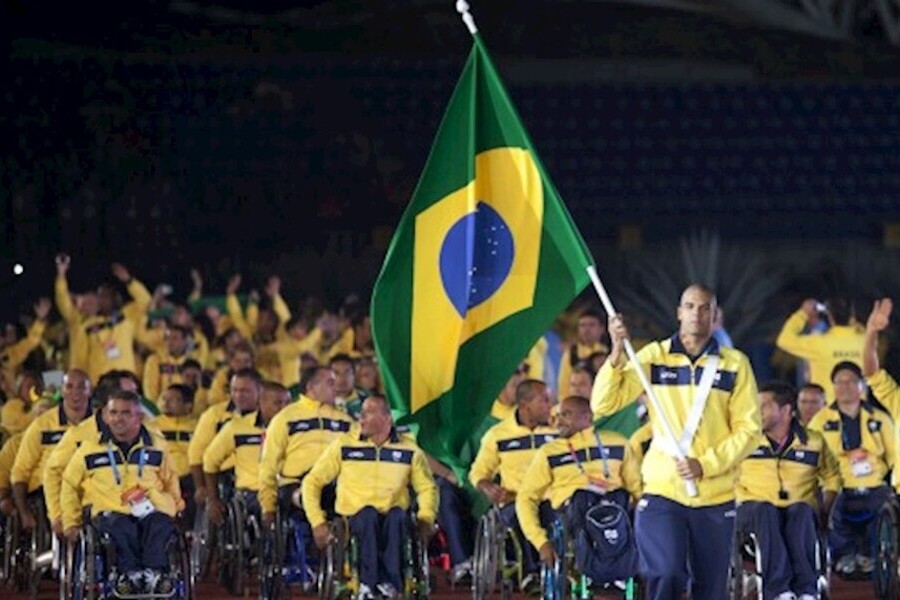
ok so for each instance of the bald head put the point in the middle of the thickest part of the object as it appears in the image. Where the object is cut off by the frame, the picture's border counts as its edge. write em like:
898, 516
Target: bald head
696, 311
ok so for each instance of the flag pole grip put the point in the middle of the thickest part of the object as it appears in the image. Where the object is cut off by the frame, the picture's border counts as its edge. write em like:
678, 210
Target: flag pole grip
689, 484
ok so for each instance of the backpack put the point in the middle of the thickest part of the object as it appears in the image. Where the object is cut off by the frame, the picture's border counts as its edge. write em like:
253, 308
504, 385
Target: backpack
605, 549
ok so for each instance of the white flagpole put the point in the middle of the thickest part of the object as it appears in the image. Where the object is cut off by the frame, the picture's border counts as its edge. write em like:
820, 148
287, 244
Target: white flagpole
632, 356
462, 7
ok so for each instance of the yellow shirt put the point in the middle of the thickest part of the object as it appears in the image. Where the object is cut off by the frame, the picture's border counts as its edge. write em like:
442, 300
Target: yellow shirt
876, 430
728, 431
90, 478
562, 467
295, 438
241, 440
178, 432
106, 342
370, 475
38, 442
160, 371
15, 416
12, 357
823, 351
506, 450
501, 411
209, 424
7, 457
792, 475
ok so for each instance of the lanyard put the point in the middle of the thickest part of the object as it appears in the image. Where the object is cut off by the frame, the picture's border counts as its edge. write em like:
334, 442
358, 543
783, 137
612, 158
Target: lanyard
587, 454
115, 469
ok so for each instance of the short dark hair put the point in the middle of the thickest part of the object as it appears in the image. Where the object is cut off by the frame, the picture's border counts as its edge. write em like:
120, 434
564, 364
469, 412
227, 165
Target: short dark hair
782, 392
593, 313
191, 364
583, 404
528, 389
187, 332
185, 391
846, 365
309, 375
251, 374
381, 399
584, 366
342, 358
126, 396
812, 386
273, 386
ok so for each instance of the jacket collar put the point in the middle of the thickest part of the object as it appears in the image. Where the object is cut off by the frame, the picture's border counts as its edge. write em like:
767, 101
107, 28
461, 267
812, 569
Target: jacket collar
711, 347
393, 438
144, 436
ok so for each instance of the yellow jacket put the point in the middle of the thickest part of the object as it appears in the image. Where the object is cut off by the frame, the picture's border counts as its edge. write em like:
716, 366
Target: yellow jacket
639, 442
728, 432
295, 438
370, 475
241, 440
91, 480
793, 475
15, 416
177, 432
12, 357
268, 361
220, 387
106, 342
209, 424
823, 351
58, 460
38, 442
7, 458
61, 454
536, 357
506, 450
876, 430
160, 371
155, 341
565, 364
501, 411
562, 467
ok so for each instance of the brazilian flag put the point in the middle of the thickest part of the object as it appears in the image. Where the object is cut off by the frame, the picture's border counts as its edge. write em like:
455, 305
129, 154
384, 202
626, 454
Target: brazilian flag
485, 257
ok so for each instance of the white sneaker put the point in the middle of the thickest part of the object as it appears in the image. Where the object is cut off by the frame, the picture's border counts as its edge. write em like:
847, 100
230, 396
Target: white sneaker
786, 596
807, 597
364, 593
845, 565
865, 564
386, 590
462, 571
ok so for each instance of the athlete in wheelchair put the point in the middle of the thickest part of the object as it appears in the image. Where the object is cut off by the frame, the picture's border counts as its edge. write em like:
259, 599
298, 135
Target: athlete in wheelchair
373, 533
295, 438
589, 477
778, 506
506, 450
242, 438
132, 489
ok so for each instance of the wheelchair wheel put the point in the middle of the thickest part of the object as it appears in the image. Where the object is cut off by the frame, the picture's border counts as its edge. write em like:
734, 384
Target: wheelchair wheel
555, 583
203, 540
887, 553
180, 568
41, 543
233, 549
416, 582
335, 569
487, 556
271, 561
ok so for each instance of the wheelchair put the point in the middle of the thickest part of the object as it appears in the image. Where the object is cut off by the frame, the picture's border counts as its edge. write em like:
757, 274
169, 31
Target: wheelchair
746, 581
562, 581
29, 555
90, 574
495, 544
239, 547
886, 576
204, 536
339, 575
285, 557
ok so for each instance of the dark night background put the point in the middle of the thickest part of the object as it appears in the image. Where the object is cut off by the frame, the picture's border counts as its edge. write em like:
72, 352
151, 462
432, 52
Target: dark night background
284, 137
